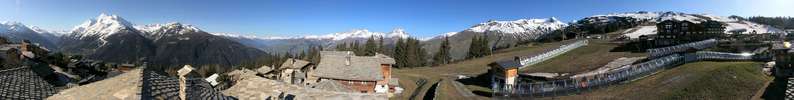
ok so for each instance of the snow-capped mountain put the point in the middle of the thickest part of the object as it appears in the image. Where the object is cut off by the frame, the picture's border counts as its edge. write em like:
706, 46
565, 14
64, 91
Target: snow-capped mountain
158, 31
7, 27
352, 34
294, 44
521, 29
111, 38
102, 26
652, 17
500, 33
17, 32
517, 26
104, 37
361, 33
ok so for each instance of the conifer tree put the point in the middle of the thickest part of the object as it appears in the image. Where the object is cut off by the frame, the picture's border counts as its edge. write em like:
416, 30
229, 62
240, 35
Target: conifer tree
400, 54
355, 48
381, 47
341, 47
370, 47
485, 46
421, 53
302, 55
474, 48
442, 56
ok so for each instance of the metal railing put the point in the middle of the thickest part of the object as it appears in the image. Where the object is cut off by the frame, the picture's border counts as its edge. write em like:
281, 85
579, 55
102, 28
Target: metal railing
637, 71
664, 51
551, 54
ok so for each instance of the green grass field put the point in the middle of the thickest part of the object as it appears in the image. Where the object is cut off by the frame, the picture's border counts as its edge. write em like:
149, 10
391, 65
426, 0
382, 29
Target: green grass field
698, 80
471, 67
596, 54
718, 80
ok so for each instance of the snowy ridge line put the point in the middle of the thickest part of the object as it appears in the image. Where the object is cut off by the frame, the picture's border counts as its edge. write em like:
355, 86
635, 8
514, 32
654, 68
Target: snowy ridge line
518, 26
359, 33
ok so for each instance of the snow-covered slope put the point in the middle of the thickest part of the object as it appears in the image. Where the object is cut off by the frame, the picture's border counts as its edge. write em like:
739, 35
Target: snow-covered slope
521, 26
7, 27
361, 33
17, 32
101, 27
113, 39
500, 34
158, 31
294, 44
750, 27
353, 34
732, 24
650, 16
638, 31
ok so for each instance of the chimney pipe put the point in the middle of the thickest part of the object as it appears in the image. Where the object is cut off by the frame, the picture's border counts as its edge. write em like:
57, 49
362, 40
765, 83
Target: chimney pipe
347, 61
516, 58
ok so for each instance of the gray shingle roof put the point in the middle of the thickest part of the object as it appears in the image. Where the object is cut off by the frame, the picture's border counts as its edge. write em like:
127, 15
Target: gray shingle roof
334, 64
294, 64
264, 69
331, 85
505, 64
385, 59
156, 86
22, 83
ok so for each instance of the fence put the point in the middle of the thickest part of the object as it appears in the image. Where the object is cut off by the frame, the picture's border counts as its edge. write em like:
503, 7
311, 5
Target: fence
573, 85
664, 51
708, 55
551, 54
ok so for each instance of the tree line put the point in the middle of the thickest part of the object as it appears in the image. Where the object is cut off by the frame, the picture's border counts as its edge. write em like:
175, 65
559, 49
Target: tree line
778, 22
407, 52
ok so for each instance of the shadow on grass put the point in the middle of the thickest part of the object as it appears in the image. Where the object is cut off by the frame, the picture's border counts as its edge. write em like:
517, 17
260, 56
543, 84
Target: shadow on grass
431, 92
775, 90
482, 80
628, 48
482, 93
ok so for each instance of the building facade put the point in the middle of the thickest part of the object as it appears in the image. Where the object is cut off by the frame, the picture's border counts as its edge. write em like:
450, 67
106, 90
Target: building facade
294, 71
505, 72
364, 74
672, 32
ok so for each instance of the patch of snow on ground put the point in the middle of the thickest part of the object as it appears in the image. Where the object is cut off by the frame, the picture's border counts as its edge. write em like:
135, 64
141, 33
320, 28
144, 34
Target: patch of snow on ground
639, 31
750, 27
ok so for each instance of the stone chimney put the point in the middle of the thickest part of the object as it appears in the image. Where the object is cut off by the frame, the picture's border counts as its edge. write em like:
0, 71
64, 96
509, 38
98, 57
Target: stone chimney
347, 58
182, 80
25, 45
518, 59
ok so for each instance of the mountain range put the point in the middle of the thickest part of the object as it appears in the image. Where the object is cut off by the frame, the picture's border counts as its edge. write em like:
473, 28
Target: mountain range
114, 39
16, 31
111, 38
298, 44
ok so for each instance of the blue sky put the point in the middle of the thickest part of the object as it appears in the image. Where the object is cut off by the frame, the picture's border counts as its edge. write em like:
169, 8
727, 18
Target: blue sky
422, 18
